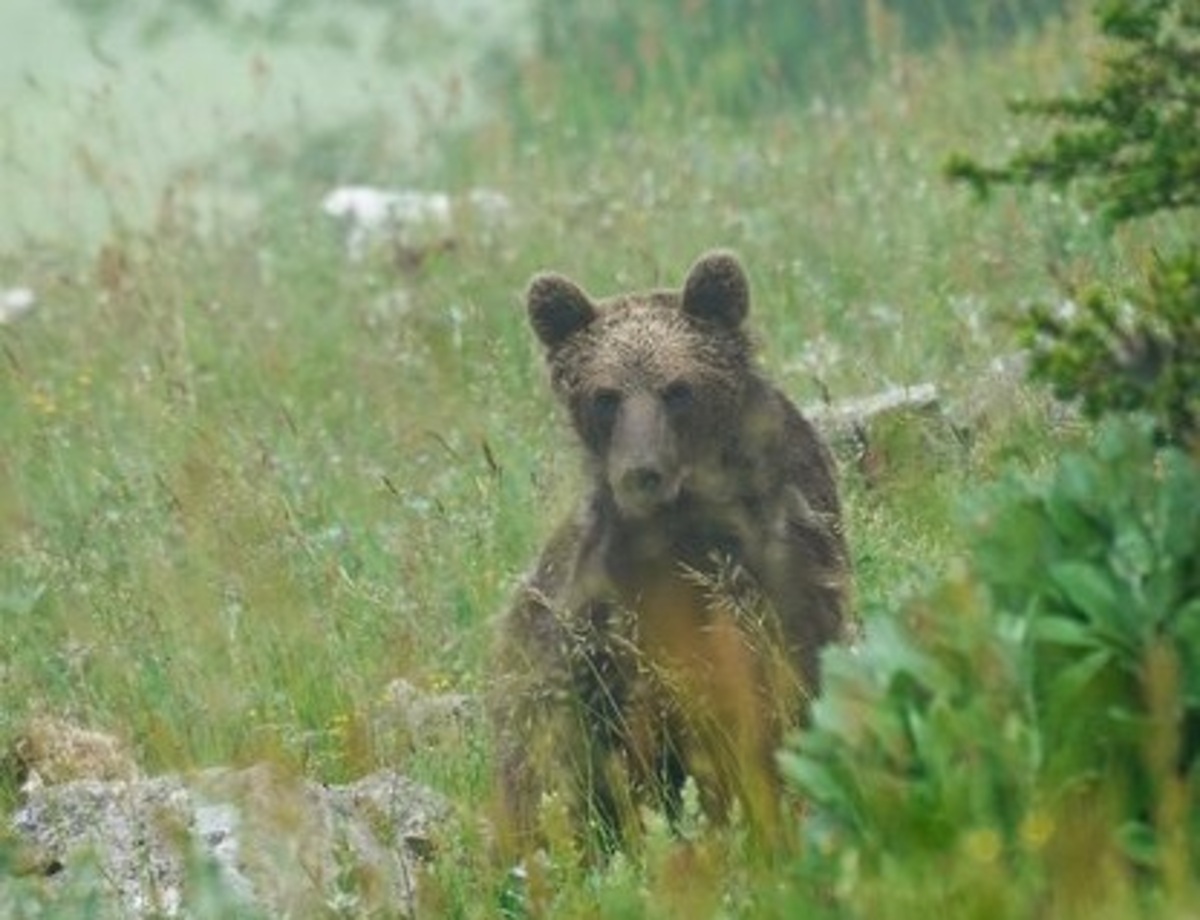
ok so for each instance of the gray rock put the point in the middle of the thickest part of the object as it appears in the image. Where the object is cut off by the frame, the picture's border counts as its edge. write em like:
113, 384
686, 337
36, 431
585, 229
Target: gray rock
251, 842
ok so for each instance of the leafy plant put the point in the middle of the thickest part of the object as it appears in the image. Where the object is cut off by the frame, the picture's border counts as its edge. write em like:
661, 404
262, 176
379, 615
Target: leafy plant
931, 691
1057, 674
1101, 570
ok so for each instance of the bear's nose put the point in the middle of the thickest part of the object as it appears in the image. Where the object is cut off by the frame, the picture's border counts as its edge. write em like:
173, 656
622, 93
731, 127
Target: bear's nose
643, 482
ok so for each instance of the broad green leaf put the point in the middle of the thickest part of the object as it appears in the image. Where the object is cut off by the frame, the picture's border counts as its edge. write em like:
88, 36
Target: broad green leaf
1138, 842
1093, 592
1185, 627
1061, 630
1071, 680
1179, 506
1068, 503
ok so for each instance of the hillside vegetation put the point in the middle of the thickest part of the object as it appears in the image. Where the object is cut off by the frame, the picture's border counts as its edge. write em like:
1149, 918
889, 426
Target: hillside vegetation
246, 481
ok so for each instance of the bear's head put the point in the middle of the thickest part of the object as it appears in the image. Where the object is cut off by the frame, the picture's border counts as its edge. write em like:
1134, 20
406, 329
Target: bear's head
653, 381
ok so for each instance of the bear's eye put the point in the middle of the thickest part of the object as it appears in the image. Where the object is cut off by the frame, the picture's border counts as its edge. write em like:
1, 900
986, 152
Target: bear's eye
605, 404
677, 396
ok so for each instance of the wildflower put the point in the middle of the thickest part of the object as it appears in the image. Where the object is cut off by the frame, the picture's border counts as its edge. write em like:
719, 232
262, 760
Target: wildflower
1035, 830
43, 402
983, 845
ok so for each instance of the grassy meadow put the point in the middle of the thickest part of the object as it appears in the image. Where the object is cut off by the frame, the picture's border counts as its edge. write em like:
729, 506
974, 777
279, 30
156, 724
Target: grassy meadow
245, 482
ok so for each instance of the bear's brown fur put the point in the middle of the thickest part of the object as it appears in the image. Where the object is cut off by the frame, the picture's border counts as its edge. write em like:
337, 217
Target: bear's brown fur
673, 624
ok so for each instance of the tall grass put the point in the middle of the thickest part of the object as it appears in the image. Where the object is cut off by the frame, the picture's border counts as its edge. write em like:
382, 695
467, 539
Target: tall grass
244, 483
598, 65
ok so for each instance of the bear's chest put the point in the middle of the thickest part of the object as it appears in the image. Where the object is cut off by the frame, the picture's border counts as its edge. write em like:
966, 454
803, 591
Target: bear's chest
696, 646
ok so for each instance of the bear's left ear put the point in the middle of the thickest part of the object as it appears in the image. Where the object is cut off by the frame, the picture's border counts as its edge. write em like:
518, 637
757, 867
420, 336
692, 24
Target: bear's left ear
717, 290
558, 308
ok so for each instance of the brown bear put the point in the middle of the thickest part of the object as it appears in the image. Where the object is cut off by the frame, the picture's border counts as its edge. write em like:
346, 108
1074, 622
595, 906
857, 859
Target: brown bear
673, 624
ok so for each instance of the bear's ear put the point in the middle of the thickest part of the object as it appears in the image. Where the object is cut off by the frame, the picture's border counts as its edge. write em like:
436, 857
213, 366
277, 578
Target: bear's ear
717, 290
558, 308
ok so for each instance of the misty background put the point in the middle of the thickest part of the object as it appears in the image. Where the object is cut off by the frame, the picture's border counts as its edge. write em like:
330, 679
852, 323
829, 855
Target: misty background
105, 105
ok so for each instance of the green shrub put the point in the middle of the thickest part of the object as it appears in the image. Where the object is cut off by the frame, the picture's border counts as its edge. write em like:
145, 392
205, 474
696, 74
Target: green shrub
1052, 685
1139, 354
1133, 142
1101, 571
1133, 145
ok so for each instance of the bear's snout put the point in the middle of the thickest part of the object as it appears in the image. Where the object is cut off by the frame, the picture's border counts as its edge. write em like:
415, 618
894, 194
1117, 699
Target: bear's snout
643, 489
644, 469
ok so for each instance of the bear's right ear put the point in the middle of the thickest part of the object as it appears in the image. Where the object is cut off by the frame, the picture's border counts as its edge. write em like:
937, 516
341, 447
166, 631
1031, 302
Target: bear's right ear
716, 289
558, 308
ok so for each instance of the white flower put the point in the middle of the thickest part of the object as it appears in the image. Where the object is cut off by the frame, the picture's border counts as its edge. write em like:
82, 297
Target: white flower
15, 303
